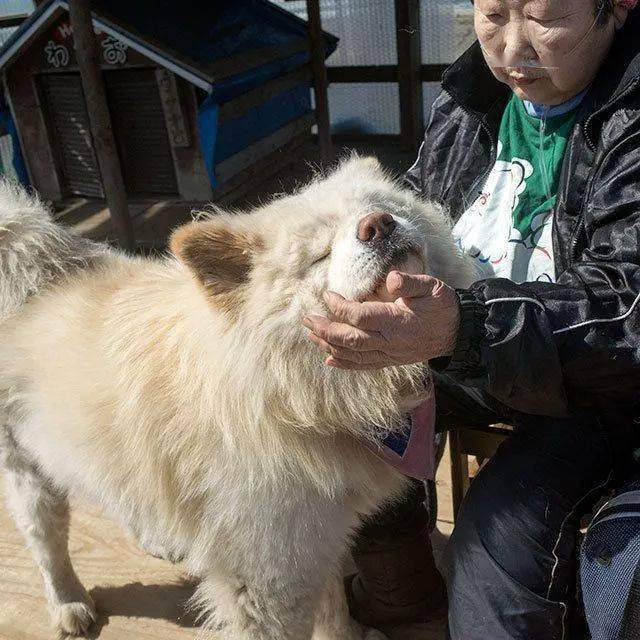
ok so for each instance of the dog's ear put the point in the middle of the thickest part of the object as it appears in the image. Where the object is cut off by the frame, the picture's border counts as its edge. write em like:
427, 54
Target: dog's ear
220, 254
355, 164
370, 162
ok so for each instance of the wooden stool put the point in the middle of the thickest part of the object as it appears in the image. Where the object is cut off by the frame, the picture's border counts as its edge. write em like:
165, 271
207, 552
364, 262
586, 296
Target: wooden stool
464, 442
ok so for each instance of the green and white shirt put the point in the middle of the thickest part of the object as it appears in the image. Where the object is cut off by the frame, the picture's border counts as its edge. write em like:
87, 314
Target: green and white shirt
507, 230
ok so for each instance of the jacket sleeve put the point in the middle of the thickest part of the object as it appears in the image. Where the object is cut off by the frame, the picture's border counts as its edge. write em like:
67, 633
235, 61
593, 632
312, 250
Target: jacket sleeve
554, 348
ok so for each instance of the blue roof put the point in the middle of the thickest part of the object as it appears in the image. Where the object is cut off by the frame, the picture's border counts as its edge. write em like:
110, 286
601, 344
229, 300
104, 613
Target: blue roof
197, 37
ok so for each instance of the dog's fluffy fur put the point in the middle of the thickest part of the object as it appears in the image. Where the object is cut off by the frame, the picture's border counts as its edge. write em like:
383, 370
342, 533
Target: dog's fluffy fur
184, 397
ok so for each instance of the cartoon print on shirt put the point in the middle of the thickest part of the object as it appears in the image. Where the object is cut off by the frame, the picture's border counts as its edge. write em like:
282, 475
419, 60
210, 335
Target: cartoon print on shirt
520, 170
508, 227
501, 237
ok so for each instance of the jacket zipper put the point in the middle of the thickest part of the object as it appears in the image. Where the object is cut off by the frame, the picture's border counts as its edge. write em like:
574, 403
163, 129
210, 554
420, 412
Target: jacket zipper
492, 159
574, 240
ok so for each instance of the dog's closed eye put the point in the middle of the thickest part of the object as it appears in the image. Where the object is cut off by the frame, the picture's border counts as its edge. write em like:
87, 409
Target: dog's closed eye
321, 257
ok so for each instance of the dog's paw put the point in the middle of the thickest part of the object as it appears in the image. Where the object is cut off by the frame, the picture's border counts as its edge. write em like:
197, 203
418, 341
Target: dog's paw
161, 552
73, 618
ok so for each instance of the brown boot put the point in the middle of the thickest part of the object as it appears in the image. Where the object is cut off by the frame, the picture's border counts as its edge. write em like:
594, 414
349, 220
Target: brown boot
397, 580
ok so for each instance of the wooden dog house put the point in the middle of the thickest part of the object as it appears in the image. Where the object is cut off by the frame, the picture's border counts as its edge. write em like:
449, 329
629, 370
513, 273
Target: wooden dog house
198, 95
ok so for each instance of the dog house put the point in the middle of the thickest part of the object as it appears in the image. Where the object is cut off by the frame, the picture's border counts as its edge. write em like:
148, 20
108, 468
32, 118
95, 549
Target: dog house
200, 94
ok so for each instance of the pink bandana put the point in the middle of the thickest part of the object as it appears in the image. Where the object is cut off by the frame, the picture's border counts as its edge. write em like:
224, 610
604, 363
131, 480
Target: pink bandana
627, 4
412, 451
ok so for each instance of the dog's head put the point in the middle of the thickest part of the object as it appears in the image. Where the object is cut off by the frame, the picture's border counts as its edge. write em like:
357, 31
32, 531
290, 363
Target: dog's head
264, 270
344, 232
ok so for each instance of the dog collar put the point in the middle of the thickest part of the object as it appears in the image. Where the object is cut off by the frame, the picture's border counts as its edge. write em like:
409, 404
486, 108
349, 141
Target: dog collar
411, 450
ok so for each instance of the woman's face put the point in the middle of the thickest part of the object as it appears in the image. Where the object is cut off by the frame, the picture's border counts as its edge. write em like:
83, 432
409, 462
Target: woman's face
547, 51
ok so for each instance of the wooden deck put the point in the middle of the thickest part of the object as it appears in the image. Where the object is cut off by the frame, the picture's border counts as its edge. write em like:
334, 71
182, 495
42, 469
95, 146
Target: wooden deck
139, 597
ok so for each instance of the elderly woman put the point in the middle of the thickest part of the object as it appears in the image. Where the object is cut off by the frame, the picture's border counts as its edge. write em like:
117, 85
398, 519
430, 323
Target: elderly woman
533, 145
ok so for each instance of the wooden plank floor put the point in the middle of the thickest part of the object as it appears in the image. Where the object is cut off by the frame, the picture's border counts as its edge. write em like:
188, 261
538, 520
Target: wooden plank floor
139, 597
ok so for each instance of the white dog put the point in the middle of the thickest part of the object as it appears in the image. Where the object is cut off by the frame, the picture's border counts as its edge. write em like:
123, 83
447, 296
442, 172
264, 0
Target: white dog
183, 396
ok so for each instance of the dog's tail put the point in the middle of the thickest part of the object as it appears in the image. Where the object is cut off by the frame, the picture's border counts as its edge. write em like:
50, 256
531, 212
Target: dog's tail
34, 250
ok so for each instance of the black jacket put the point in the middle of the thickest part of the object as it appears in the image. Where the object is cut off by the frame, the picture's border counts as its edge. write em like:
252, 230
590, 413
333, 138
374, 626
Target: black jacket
561, 348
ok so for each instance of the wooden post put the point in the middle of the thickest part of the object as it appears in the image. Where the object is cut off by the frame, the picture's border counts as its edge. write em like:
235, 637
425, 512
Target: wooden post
459, 470
320, 82
100, 120
409, 68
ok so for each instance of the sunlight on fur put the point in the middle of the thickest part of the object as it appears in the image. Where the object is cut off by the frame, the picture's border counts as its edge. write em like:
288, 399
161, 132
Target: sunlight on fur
183, 396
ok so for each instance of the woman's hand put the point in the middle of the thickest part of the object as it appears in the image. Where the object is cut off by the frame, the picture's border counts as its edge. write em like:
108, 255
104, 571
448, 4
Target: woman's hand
420, 325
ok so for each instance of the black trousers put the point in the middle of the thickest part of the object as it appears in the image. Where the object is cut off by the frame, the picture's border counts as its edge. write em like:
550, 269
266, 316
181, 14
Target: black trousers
510, 565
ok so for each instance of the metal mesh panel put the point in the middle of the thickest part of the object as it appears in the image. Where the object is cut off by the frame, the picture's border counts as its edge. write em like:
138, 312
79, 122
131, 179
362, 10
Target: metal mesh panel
367, 37
298, 7
5, 34
14, 7
446, 29
366, 29
6, 155
365, 108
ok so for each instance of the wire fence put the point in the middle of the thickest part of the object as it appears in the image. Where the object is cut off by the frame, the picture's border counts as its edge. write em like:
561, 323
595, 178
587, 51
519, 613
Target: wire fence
367, 33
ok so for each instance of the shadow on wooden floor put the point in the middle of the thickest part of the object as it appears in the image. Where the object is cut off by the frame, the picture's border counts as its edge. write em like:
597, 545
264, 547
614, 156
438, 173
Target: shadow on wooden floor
136, 600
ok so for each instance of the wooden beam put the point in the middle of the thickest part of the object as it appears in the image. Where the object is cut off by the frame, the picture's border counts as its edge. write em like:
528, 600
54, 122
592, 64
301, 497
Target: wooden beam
358, 74
14, 20
409, 68
432, 72
381, 73
459, 471
180, 106
320, 82
172, 107
482, 443
100, 120
230, 167
349, 139
239, 106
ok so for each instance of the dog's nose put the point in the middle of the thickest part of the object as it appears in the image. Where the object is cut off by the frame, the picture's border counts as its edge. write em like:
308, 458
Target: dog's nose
376, 226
